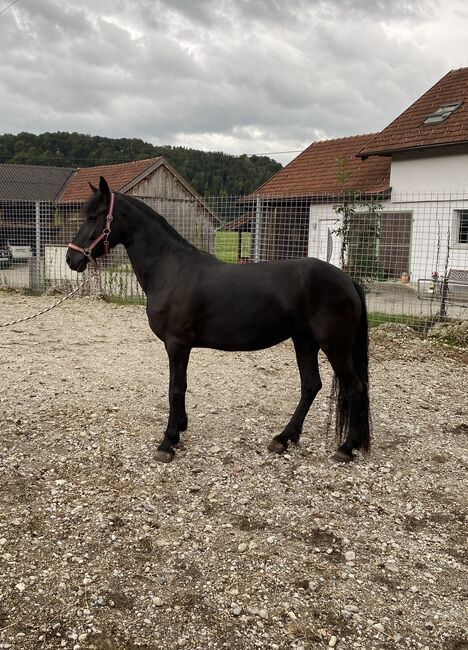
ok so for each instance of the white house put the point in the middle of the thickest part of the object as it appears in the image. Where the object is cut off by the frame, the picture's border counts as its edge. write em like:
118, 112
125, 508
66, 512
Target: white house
414, 173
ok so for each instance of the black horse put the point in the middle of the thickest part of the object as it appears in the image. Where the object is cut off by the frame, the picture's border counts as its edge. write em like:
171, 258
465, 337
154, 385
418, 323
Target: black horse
195, 300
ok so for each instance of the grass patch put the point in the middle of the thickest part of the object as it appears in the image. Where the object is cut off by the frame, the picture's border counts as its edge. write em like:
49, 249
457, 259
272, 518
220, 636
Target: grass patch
422, 324
226, 246
122, 300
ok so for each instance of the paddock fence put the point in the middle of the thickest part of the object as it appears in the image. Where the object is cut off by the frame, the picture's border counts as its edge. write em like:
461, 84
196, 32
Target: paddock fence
410, 252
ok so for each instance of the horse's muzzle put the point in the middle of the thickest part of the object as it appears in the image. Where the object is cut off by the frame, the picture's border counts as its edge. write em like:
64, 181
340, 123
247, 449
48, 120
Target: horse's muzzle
76, 261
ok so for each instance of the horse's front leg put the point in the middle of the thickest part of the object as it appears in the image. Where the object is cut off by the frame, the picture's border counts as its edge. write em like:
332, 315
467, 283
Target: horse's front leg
178, 361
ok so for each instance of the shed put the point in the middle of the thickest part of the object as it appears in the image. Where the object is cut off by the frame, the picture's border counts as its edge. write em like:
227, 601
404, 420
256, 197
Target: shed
27, 204
153, 181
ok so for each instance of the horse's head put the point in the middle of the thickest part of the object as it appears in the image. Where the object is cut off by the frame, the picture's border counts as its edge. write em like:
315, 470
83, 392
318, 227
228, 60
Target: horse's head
98, 233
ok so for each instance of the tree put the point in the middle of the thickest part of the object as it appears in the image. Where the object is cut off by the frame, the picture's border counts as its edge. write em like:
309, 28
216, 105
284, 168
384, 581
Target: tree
209, 172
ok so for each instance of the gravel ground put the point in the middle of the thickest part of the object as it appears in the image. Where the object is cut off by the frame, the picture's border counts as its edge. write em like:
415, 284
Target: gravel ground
229, 546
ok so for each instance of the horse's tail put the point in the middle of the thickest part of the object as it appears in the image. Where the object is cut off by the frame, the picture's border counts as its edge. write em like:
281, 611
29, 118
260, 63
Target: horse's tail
360, 355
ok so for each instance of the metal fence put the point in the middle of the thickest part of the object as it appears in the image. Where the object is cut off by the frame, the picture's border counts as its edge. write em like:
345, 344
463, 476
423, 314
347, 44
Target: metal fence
410, 252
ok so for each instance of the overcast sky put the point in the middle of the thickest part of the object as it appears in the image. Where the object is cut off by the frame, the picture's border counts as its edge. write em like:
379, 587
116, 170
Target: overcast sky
240, 76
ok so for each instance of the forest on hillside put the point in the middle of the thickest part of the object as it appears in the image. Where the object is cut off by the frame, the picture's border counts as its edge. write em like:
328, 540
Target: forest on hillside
210, 173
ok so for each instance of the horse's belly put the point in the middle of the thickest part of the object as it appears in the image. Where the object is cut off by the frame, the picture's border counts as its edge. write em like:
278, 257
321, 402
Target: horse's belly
239, 333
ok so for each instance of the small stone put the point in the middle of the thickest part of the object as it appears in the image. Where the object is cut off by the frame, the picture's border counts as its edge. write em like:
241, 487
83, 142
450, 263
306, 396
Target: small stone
157, 601
237, 611
379, 627
20, 586
242, 547
263, 614
332, 642
149, 507
390, 565
345, 613
350, 556
215, 450
352, 608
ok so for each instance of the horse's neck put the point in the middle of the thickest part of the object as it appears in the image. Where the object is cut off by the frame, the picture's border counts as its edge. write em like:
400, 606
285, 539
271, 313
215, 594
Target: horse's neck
149, 245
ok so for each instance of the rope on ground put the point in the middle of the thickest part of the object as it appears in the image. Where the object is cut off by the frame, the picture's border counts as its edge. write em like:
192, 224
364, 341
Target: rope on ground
44, 311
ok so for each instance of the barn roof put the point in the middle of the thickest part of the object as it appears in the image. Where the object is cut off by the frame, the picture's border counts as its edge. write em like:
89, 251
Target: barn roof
118, 176
438, 118
330, 167
32, 182
121, 178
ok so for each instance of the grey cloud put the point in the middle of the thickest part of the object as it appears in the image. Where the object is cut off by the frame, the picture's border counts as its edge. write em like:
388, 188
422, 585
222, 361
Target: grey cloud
246, 73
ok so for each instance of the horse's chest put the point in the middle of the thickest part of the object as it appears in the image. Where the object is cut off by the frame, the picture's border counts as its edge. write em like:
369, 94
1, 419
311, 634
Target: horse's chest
170, 319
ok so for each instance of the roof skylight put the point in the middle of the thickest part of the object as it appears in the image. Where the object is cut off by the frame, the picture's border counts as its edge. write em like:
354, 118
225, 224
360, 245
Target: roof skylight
442, 113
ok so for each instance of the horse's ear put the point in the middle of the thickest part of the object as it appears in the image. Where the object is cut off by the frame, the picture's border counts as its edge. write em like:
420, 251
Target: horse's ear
93, 189
104, 188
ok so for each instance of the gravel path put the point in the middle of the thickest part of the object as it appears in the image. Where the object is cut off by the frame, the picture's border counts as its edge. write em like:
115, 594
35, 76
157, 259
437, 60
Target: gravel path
229, 546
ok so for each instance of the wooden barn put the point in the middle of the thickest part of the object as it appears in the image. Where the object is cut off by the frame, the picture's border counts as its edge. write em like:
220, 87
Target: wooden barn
153, 181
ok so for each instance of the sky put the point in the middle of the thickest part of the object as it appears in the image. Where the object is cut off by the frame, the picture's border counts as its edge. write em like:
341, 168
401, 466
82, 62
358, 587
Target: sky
244, 76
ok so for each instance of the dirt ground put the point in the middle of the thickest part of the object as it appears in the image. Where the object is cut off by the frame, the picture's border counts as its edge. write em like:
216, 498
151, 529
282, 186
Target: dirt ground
229, 546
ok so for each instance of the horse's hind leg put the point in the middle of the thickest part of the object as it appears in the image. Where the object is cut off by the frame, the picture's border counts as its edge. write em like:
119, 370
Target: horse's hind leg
307, 361
352, 406
177, 422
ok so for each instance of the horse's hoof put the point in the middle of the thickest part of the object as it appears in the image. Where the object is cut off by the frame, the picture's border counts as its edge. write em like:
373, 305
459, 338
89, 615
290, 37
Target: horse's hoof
164, 456
342, 457
277, 447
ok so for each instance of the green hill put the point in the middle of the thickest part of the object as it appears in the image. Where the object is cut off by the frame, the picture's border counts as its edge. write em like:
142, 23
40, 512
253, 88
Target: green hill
209, 172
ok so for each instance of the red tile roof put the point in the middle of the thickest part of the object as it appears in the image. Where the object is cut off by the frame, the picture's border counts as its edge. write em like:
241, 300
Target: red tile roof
78, 190
408, 130
317, 170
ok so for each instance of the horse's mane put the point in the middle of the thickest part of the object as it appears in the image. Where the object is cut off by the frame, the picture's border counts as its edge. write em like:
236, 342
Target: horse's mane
138, 204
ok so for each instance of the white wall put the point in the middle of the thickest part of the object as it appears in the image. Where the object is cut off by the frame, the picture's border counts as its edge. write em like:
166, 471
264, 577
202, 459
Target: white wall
324, 220
55, 264
432, 225
433, 230
435, 173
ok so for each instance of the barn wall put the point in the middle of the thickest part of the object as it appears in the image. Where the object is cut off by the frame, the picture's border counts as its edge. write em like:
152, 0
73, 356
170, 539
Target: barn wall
164, 193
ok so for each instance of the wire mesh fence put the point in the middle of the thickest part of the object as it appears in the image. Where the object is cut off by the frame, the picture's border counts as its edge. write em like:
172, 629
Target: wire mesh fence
410, 252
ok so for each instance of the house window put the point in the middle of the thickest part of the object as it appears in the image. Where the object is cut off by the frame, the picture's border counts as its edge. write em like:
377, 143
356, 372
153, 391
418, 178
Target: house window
461, 227
442, 113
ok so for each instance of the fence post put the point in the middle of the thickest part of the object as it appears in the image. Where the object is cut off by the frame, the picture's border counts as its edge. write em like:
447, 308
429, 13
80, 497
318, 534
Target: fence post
36, 280
258, 229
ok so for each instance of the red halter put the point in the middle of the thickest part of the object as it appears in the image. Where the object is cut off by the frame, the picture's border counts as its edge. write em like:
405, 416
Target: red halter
103, 236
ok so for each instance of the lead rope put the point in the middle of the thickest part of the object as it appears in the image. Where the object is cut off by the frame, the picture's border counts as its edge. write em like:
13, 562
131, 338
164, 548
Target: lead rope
56, 304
